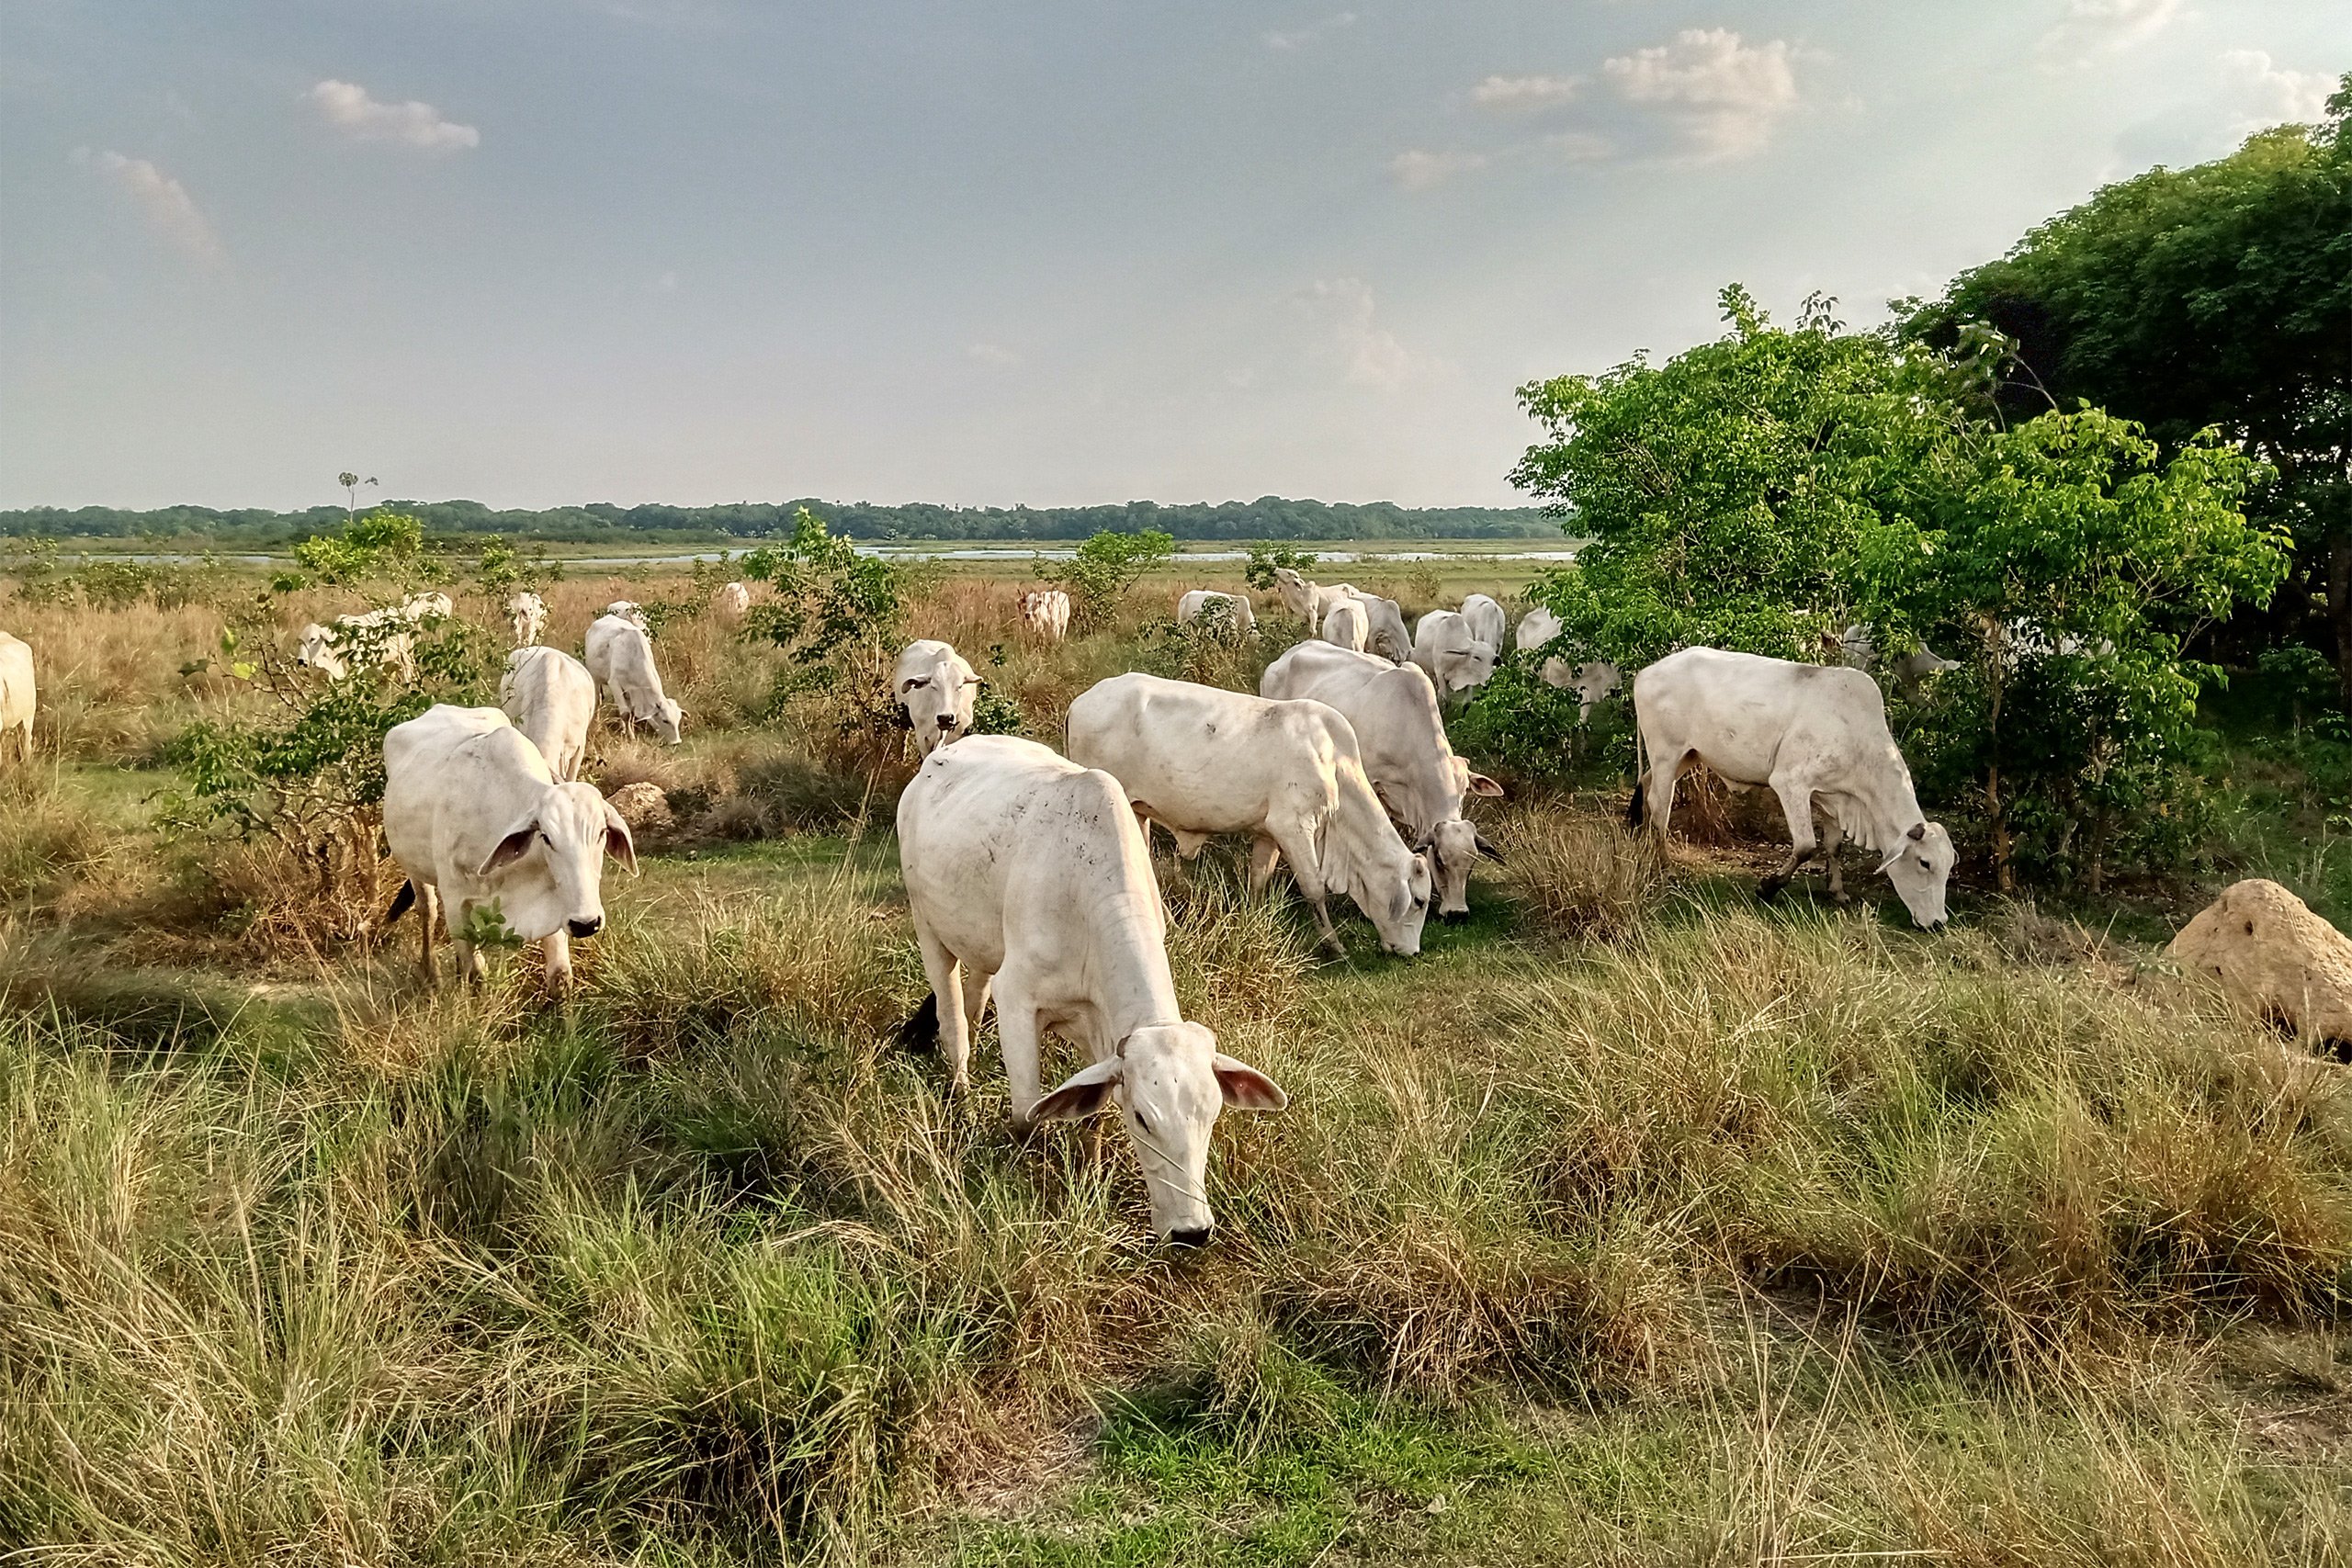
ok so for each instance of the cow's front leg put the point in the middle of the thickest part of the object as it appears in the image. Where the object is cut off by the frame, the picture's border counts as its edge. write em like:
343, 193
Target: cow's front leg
1264, 855
1796, 805
1016, 1036
1833, 835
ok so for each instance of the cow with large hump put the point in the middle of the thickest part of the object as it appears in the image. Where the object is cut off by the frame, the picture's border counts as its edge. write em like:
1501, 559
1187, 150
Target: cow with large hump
552, 700
1455, 660
620, 657
1813, 735
1239, 618
1309, 601
479, 822
1400, 734
935, 687
1344, 624
1201, 759
1028, 874
16, 694
1487, 622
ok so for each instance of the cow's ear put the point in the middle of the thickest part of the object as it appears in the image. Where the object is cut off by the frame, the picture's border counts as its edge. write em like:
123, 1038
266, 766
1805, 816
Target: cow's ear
618, 841
1246, 1088
1490, 850
1918, 831
1481, 784
911, 682
1082, 1095
510, 849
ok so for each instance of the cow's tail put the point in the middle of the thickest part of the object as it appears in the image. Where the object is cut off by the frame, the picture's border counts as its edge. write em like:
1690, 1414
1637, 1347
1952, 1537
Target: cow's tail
400, 902
921, 1032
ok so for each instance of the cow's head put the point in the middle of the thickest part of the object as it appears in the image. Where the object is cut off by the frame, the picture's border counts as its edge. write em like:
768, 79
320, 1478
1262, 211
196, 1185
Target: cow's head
1168, 1083
668, 719
939, 702
314, 649
1593, 682
1920, 867
1453, 845
547, 870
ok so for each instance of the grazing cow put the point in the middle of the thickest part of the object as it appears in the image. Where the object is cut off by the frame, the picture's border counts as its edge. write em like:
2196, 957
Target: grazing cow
1201, 759
620, 658
478, 822
732, 602
552, 700
1028, 872
1455, 660
1307, 601
1045, 612
1238, 615
1814, 734
16, 694
935, 686
378, 640
1344, 624
419, 608
526, 612
1591, 681
632, 612
1401, 736
1385, 630
1487, 622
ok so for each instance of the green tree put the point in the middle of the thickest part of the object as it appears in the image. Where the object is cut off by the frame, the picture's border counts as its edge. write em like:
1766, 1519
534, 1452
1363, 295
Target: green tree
2217, 296
835, 613
1101, 570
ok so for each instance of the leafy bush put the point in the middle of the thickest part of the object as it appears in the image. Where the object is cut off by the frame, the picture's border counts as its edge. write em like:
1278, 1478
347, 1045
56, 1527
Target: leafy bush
838, 614
1101, 571
1265, 559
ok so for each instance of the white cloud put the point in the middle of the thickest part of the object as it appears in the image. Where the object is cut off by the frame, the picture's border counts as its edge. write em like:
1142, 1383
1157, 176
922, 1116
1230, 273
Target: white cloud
1580, 146
161, 200
1418, 170
2092, 27
2275, 95
1723, 94
348, 107
992, 353
1369, 354
1514, 93
1299, 38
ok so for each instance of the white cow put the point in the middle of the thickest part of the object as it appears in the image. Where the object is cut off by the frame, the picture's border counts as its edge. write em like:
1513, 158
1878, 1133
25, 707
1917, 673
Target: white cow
632, 612
552, 700
380, 639
478, 822
1344, 624
1401, 735
419, 608
1045, 612
1487, 622
526, 614
16, 694
1239, 614
1201, 759
1309, 602
621, 660
935, 686
1858, 650
732, 602
1029, 873
1591, 681
1385, 629
1814, 734
1455, 660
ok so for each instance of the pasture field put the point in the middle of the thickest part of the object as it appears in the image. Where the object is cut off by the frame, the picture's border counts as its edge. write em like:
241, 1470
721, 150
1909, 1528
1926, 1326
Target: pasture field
1633, 1223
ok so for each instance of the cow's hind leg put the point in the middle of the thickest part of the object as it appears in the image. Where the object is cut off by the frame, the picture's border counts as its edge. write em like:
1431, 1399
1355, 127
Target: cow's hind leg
428, 915
1264, 855
940, 968
1796, 804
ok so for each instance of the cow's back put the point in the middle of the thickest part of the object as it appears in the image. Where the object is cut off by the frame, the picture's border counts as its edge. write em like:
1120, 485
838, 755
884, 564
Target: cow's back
1742, 712
1211, 759
445, 767
16, 681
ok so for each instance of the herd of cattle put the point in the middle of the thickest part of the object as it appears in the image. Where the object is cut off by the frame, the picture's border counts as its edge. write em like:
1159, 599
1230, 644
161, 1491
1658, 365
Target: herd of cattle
1028, 872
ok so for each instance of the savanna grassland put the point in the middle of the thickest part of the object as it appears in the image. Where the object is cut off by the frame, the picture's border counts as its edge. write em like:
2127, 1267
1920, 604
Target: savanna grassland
1633, 1223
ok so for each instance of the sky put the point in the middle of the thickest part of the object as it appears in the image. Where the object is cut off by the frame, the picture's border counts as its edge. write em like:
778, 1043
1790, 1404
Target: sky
1060, 252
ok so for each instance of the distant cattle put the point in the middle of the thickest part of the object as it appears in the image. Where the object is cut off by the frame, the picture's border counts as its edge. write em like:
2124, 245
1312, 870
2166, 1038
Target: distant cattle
427, 606
1045, 612
935, 687
632, 612
1815, 735
1344, 624
1487, 622
479, 824
380, 639
1592, 681
1400, 734
732, 602
16, 696
1858, 650
620, 658
1029, 873
552, 700
1455, 660
1238, 615
526, 616
1202, 760
1308, 602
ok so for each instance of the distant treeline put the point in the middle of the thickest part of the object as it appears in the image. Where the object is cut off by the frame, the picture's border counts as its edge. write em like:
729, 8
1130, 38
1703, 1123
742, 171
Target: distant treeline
1269, 517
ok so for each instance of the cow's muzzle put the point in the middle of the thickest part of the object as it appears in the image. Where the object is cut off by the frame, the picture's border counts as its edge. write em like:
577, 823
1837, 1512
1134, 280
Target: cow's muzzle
947, 721
586, 928
1196, 1235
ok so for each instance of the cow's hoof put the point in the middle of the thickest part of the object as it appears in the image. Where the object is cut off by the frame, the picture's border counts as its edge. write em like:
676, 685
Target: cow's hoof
1769, 888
